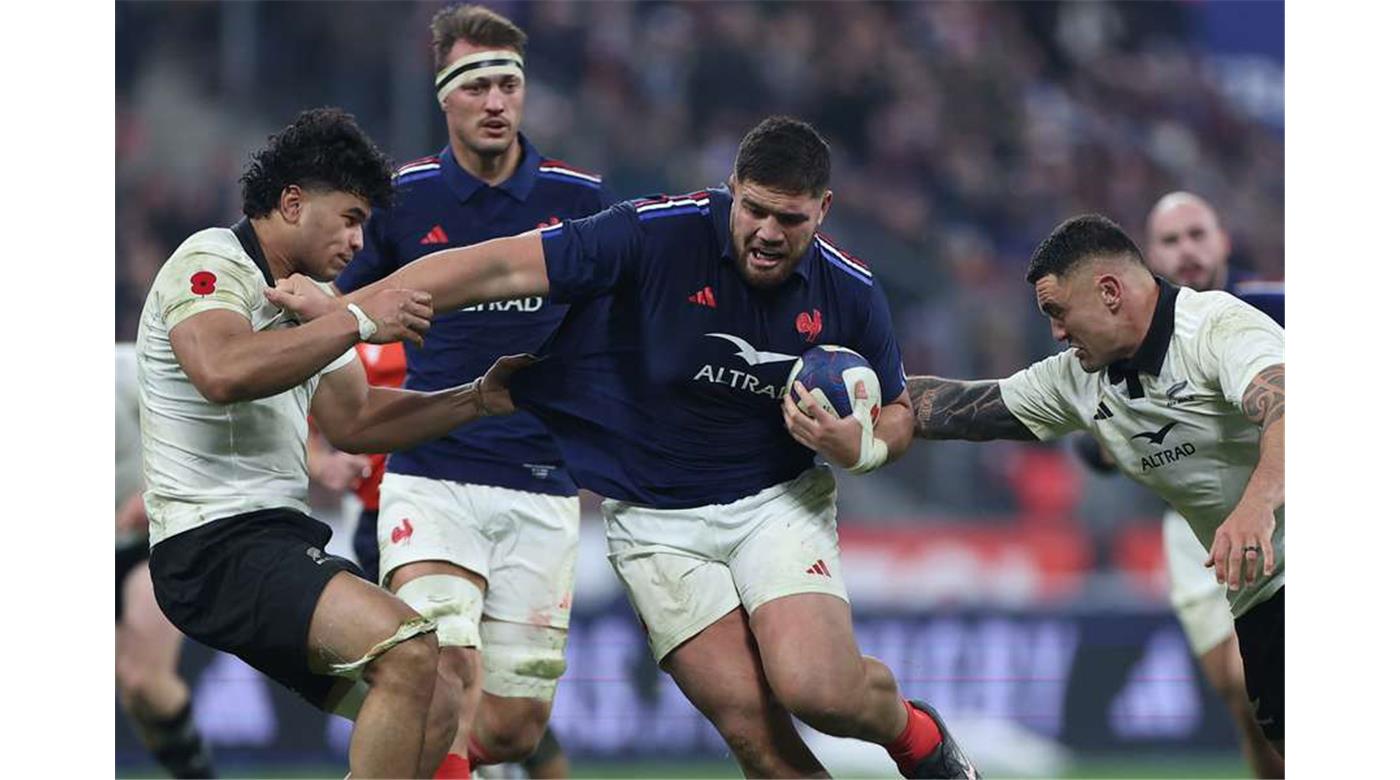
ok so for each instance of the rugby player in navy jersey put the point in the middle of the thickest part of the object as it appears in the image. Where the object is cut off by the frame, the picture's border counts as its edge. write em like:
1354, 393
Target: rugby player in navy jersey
479, 529
663, 386
1187, 245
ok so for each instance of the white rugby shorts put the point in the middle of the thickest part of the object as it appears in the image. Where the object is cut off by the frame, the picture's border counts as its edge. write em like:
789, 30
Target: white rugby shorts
684, 569
1199, 601
524, 544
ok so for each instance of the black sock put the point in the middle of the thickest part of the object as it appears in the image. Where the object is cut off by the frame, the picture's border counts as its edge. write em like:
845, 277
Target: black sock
178, 747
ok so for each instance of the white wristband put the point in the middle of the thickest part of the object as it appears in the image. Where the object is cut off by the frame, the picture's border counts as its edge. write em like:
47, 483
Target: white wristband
873, 452
368, 327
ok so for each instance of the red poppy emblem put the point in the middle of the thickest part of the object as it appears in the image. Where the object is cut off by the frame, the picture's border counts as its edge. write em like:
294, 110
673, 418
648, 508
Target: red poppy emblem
810, 324
202, 283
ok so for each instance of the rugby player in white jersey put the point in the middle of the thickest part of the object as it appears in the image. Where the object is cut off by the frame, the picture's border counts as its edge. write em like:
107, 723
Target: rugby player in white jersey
1188, 245
226, 381
1183, 389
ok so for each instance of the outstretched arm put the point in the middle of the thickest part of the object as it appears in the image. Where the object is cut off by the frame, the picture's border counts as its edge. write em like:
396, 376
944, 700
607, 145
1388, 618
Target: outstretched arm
1246, 537
953, 409
357, 417
495, 270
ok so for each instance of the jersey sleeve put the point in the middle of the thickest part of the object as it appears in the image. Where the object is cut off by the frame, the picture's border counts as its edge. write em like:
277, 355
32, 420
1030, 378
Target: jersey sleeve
878, 345
203, 281
587, 257
345, 359
1238, 342
1041, 396
375, 260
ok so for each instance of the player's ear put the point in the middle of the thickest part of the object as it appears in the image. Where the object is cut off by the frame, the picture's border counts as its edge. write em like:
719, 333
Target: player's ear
1110, 289
826, 206
289, 205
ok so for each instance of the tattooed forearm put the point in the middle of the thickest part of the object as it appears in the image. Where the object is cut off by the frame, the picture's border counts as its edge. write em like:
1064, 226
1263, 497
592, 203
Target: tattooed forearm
949, 409
1263, 399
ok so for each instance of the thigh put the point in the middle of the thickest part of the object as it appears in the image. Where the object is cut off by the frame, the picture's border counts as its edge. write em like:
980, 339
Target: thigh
808, 643
424, 519
719, 670
1261, 638
675, 581
250, 586
144, 635
787, 544
129, 556
351, 617
532, 561
522, 661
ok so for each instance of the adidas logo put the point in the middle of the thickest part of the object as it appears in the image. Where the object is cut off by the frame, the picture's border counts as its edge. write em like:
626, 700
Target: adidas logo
1103, 413
435, 236
705, 297
819, 568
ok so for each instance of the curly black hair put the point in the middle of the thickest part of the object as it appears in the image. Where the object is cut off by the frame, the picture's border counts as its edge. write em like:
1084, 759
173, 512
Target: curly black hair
322, 150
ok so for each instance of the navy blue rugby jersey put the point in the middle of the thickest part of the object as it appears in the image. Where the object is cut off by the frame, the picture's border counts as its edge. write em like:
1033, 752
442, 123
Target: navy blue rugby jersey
663, 384
438, 205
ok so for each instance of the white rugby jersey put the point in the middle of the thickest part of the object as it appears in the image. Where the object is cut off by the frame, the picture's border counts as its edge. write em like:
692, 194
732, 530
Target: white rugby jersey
1170, 415
204, 461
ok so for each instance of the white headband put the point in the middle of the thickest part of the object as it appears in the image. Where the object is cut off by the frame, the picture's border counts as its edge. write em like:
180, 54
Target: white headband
483, 63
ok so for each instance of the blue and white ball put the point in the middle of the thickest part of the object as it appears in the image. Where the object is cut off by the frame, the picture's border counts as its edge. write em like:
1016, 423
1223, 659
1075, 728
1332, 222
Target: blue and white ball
830, 374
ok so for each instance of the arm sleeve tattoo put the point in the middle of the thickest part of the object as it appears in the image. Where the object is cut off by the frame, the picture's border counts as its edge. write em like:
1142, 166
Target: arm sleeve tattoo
1263, 399
950, 409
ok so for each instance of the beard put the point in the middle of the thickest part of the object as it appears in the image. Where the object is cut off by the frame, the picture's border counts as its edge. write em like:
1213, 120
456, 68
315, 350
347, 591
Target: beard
767, 278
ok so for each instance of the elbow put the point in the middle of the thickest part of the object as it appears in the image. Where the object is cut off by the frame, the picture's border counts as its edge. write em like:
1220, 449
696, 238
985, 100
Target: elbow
353, 447
221, 389
347, 441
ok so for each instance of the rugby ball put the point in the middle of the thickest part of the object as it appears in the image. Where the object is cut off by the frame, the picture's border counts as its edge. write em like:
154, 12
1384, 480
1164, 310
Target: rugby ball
830, 374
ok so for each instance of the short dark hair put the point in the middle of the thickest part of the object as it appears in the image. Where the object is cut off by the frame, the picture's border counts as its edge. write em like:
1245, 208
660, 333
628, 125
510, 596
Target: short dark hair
786, 154
475, 24
1078, 239
322, 150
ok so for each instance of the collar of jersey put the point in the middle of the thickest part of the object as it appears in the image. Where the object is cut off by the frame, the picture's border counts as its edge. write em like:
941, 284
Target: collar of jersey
518, 186
719, 219
248, 238
1152, 353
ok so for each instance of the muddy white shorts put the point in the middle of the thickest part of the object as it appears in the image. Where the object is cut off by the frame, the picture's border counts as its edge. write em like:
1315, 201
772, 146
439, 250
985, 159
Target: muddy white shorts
1199, 601
523, 544
684, 569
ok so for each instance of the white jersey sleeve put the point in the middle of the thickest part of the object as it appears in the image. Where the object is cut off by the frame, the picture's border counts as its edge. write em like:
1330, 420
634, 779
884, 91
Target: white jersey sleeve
1042, 396
1239, 341
203, 281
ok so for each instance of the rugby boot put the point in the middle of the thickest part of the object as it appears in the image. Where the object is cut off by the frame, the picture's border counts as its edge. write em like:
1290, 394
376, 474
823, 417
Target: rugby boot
946, 760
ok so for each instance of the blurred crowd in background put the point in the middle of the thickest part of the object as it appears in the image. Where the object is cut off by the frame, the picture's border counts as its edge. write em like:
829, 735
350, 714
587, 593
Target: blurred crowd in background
962, 133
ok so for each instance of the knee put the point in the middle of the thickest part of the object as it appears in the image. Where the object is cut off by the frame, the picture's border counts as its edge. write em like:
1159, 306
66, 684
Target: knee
819, 704
134, 678
458, 667
513, 736
410, 667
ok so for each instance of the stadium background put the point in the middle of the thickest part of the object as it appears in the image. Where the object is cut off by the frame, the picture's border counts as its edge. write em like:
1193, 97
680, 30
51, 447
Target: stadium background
1020, 593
